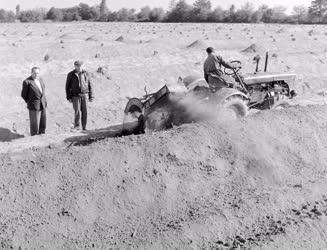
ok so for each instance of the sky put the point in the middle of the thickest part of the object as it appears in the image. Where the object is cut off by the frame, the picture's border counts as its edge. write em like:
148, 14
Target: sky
137, 4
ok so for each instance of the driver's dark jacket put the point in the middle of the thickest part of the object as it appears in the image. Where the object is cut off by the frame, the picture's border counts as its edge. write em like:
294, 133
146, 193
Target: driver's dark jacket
78, 83
212, 66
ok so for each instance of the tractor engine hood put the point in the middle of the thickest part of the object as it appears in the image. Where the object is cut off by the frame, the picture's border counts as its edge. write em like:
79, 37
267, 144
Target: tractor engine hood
268, 77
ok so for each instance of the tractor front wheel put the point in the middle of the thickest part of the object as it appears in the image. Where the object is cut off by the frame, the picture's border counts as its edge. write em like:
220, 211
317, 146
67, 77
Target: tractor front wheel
282, 104
236, 107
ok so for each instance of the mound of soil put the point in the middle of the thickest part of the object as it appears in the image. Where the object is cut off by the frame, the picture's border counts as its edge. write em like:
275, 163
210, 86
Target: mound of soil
198, 44
92, 38
253, 48
245, 184
63, 36
120, 39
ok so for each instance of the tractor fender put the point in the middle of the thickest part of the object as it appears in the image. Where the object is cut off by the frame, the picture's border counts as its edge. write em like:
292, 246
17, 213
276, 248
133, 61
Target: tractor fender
193, 81
134, 104
197, 83
225, 93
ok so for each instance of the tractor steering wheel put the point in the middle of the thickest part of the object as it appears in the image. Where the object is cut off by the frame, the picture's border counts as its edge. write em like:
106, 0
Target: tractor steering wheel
237, 66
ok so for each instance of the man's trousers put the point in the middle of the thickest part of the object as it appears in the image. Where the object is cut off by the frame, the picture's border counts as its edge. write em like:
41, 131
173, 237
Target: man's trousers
80, 110
37, 121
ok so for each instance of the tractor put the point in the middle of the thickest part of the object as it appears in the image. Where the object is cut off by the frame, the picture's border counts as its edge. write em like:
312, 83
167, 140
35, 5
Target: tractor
169, 106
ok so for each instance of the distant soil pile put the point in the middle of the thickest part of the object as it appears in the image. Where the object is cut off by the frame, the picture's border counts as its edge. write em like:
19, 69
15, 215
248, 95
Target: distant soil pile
199, 186
92, 39
198, 44
64, 36
253, 48
120, 39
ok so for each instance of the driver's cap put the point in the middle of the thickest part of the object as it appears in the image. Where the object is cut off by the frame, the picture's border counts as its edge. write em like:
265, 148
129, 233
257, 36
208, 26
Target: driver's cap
210, 50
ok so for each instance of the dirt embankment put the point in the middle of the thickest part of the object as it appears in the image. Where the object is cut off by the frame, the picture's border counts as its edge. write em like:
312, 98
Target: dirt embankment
251, 184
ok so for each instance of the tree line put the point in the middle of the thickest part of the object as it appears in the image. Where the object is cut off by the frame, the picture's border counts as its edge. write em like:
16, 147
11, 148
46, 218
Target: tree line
179, 11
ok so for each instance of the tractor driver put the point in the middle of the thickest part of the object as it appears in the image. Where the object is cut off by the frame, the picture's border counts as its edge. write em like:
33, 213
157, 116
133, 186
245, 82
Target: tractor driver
213, 73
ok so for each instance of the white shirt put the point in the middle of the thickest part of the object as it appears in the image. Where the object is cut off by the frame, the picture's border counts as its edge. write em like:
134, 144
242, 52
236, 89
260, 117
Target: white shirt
38, 84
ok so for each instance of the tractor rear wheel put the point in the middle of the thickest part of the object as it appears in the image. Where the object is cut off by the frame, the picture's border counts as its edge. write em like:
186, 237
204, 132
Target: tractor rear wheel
133, 118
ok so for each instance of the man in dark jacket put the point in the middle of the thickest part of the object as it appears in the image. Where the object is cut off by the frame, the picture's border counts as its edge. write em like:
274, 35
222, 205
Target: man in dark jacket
78, 90
33, 93
213, 73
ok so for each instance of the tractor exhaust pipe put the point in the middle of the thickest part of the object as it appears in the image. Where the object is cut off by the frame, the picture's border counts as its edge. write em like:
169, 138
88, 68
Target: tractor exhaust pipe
266, 62
256, 60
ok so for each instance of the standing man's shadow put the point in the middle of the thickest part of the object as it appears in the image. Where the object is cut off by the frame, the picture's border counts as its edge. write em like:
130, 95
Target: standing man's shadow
7, 135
